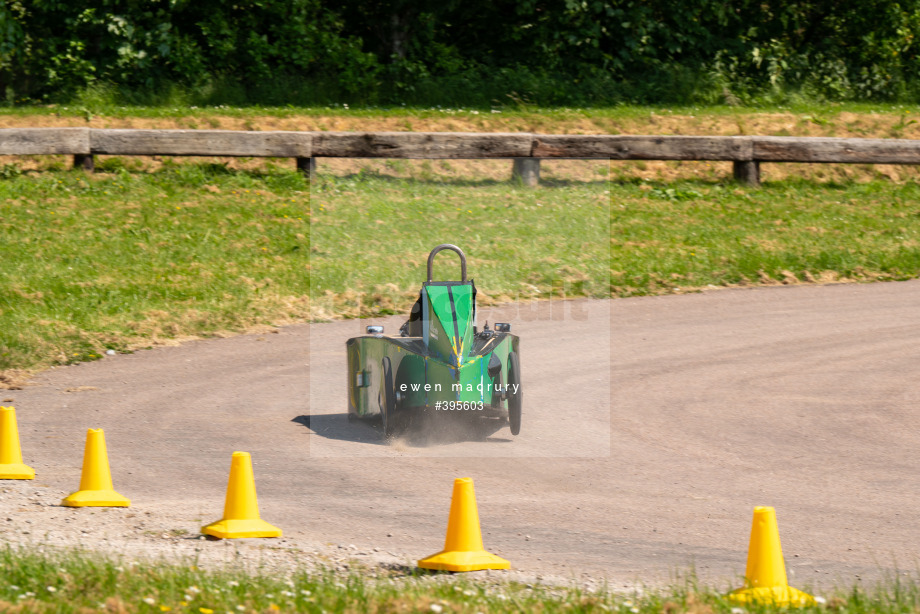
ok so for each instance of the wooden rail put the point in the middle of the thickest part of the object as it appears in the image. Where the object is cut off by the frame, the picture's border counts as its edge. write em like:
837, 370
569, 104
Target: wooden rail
745, 152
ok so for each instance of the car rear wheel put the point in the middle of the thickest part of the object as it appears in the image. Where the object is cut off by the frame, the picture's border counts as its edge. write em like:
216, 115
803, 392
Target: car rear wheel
515, 394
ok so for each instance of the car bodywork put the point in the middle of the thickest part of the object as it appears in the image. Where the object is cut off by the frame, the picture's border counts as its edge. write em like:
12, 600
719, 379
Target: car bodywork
441, 365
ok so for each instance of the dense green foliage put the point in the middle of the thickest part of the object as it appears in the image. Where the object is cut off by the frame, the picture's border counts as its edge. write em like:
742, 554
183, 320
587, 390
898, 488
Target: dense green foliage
586, 52
51, 49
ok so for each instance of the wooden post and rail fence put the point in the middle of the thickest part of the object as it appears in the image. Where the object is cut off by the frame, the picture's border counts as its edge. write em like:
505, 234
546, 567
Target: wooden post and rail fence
526, 150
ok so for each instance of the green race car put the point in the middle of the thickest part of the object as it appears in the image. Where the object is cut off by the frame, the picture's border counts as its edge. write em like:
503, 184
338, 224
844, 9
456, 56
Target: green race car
440, 365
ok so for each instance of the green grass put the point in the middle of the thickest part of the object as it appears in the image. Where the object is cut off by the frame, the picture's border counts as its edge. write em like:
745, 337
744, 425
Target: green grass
122, 260
74, 581
668, 237
371, 235
119, 259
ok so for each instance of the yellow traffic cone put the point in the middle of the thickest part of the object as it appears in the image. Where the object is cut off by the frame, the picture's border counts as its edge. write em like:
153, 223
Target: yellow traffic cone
11, 467
463, 549
96, 488
765, 576
241, 508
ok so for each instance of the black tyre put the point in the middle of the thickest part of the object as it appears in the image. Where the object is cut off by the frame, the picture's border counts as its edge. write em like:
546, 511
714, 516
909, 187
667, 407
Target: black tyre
515, 393
388, 412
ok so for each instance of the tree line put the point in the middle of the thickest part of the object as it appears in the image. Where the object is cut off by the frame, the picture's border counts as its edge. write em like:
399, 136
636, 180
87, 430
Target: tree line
448, 52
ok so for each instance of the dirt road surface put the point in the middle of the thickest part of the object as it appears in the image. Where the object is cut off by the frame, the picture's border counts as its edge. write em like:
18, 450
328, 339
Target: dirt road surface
652, 427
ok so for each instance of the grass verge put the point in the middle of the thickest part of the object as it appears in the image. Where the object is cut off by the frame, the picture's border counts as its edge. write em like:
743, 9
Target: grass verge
670, 238
121, 260
371, 236
72, 581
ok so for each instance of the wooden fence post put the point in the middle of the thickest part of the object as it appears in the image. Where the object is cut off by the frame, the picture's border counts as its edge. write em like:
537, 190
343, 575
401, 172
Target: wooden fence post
307, 166
84, 161
527, 171
747, 172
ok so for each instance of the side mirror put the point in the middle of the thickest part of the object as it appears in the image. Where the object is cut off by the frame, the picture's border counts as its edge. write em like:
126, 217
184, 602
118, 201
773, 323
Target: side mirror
374, 330
502, 327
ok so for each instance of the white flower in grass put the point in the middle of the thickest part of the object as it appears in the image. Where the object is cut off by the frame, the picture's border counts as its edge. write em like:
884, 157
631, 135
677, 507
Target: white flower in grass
51, 589
634, 610
194, 590
150, 601
241, 608
739, 611
820, 600
437, 608
233, 583
305, 593
13, 587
